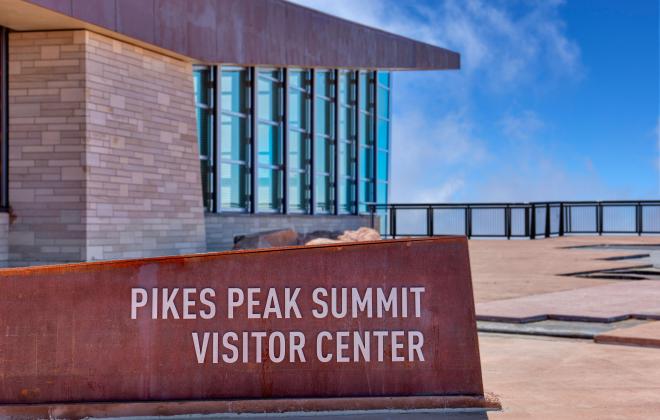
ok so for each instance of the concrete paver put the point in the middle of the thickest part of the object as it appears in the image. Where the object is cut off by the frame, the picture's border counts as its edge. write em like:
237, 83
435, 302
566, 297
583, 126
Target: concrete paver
552, 328
606, 303
507, 269
647, 334
551, 378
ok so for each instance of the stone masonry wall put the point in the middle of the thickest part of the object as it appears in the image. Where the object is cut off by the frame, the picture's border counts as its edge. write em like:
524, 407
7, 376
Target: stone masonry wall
144, 194
46, 147
221, 228
103, 157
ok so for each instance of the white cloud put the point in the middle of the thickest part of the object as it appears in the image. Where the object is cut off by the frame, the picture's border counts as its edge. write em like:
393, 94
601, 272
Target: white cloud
507, 50
430, 156
523, 126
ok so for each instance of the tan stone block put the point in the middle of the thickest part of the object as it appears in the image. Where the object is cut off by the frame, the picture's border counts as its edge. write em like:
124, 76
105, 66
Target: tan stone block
50, 52
74, 173
117, 101
72, 95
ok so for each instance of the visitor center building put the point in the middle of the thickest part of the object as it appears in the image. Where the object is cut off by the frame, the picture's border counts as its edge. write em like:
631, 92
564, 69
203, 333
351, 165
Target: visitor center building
158, 127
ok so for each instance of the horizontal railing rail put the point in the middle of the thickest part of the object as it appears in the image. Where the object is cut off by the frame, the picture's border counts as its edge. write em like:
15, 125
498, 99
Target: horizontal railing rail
516, 220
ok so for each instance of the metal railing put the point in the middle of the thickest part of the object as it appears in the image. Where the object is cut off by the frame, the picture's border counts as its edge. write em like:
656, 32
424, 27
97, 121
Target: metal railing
517, 220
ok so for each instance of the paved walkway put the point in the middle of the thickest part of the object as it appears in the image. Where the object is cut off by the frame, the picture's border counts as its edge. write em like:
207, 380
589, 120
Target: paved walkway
550, 378
507, 269
567, 378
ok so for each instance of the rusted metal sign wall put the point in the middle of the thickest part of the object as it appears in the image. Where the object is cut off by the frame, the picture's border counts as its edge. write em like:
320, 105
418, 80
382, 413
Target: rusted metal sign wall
393, 318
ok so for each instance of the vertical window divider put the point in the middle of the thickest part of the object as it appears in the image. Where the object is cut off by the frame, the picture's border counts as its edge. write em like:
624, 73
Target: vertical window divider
4, 117
253, 140
374, 86
337, 141
357, 142
285, 142
217, 128
312, 143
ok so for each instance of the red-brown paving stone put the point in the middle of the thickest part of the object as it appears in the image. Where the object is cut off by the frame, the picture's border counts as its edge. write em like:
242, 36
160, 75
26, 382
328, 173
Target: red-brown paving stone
550, 378
647, 334
506, 269
607, 303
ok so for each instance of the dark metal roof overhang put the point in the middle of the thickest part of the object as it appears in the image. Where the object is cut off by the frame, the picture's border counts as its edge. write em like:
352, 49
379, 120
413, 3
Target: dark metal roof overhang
242, 32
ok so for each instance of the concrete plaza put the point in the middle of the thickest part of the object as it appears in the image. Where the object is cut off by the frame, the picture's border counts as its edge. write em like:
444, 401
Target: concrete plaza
563, 377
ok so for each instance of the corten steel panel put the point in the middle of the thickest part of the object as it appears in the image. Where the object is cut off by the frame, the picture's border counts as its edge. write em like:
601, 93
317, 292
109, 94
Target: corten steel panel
254, 32
67, 332
98, 12
135, 19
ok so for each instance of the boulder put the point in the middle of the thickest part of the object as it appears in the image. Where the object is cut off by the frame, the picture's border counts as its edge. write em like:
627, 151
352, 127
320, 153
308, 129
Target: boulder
303, 239
361, 235
268, 239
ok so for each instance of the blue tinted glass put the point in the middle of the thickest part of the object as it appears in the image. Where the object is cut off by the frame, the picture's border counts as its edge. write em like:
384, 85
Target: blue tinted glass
323, 194
383, 134
347, 195
233, 135
346, 159
269, 100
324, 84
298, 150
383, 103
347, 88
366, 163
381, 191
383, 166
366, 129
297, 78
234, 91
384, 78
299, 103
233, 182
323, 150
269, 149
269, 182
324, 117
204, 130
298, 192
364, 91
366, 192
347, 123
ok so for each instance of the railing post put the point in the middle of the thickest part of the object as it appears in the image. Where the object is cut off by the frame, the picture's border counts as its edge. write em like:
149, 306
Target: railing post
429, 221
561, 219
372, 210
393, 222
532, 224
527, 231
638, 219
507, 222
547, 220
468, 221
599, 218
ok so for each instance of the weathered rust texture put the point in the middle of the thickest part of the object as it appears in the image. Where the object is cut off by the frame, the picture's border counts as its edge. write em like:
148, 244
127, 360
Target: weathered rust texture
66, 333
255, 32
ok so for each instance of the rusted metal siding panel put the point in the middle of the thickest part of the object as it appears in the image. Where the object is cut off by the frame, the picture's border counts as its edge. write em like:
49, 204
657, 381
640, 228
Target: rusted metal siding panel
97, 12
70, 332
255, 32
135, 19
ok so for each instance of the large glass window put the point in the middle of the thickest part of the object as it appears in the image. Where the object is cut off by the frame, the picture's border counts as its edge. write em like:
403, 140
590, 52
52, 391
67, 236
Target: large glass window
366, 138
299, 139
337, 139
269, 140
347, 140
383, 140
203, 82
235, 109
324, 146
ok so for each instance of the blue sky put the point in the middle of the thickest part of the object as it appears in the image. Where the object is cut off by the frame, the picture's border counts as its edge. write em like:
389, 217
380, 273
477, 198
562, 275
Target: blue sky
555, 99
